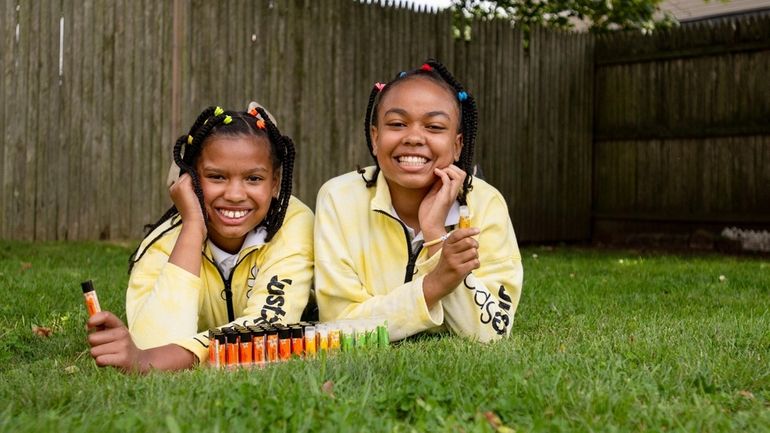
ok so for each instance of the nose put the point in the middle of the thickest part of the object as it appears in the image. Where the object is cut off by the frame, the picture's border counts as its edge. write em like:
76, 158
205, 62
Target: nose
414, 136
235, 191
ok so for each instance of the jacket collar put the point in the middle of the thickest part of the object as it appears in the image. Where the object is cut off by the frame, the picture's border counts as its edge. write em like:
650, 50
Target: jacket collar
254, 240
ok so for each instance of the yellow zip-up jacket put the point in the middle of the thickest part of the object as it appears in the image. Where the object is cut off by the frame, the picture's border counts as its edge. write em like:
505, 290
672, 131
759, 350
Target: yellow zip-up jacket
364, 266
269, 283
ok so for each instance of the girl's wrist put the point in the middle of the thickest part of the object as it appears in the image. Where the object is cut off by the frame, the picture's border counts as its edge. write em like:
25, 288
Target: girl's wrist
432, 234
197, 229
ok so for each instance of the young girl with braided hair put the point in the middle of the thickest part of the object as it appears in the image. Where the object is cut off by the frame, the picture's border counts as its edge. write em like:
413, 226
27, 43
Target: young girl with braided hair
235, 247
387, 239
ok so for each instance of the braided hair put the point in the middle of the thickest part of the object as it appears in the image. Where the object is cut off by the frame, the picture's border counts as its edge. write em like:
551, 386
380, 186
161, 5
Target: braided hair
432, 69
215, 122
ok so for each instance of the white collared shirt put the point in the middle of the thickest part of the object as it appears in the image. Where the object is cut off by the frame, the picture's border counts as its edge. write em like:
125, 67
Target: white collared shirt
226, 261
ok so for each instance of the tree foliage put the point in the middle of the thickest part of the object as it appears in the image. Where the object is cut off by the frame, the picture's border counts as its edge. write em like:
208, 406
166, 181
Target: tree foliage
597, 15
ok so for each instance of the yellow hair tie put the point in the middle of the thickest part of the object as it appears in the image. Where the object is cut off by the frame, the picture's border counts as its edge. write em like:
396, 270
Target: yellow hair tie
227, 120
218, 111
189, 139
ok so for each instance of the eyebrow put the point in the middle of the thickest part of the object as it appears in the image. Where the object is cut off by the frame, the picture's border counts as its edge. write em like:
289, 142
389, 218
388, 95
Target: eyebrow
259, 169
403, 112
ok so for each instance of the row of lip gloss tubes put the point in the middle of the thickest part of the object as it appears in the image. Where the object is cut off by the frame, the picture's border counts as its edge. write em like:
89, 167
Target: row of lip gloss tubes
261, 344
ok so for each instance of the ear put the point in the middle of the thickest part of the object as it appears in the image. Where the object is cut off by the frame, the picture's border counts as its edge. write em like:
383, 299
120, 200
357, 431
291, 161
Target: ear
374, 134
458, 147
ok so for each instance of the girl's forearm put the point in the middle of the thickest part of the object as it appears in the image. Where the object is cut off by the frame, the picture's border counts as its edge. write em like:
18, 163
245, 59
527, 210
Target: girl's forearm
169, 357
187, 250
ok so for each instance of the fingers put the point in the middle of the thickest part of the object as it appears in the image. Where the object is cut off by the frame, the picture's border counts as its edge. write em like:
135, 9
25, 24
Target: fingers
103, 319
463, 238
117, 354
461, 250
108, 335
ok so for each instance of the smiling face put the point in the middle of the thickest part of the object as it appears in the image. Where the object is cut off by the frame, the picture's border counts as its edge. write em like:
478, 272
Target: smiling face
414, 132
238, 181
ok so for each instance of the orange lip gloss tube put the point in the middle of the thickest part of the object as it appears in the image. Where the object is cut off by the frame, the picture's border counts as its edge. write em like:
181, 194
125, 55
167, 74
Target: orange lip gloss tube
284, 344
232, 349
246, 352
92, 302
272, 345
297, 342
258, 343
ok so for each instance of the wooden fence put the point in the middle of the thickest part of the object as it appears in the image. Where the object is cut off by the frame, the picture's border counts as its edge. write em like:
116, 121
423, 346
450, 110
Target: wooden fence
96, 91
612, 130
682, 127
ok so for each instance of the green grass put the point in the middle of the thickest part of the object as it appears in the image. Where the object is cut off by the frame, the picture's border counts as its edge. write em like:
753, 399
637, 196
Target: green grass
603, 341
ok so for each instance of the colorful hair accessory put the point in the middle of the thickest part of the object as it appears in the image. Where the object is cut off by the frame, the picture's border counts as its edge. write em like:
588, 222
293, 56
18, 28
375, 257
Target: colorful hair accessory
402, 74
253, 112
462, 96
227, 120
189, 139
261, 124
426, 67
379, 86
218, 111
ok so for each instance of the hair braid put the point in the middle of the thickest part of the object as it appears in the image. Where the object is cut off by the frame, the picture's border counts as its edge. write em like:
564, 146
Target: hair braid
283, 147
368, 134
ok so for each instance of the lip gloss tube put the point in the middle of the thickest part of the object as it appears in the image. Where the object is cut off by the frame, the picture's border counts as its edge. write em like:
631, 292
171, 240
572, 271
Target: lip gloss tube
297, 341
382, 334
310, 341
214, 347
272, 345
221, 360
246, 352
323, 337
284, 344
258, 342
335, 338
92, 302
465, 217
232, 349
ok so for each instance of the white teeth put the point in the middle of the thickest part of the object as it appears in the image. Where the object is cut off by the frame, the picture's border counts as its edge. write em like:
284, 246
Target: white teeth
412, 160
233, 213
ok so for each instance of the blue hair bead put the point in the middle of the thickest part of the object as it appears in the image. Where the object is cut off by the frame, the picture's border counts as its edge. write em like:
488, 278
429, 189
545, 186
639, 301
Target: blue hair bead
462, 96
402, 74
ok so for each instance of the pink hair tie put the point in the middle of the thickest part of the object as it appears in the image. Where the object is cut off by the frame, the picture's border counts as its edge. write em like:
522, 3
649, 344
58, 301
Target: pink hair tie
379, 86
426, 67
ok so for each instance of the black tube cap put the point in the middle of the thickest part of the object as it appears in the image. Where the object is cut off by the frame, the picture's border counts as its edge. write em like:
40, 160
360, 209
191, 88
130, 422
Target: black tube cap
87, 286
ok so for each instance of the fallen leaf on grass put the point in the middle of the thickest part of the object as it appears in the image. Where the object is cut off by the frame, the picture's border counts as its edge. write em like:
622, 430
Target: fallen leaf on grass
328, 388
42, 331
497, 423
746, 394
26, 265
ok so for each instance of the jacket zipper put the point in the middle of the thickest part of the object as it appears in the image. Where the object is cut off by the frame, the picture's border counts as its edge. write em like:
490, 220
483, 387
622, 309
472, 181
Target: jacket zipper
228, 284
412, 256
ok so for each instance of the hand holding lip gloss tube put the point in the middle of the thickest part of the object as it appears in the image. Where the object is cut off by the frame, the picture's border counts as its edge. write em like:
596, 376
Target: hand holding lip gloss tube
92, 301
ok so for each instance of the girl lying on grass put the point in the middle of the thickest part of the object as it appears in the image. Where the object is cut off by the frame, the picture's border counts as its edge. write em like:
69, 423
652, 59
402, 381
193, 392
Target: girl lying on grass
386, 237
235, 247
